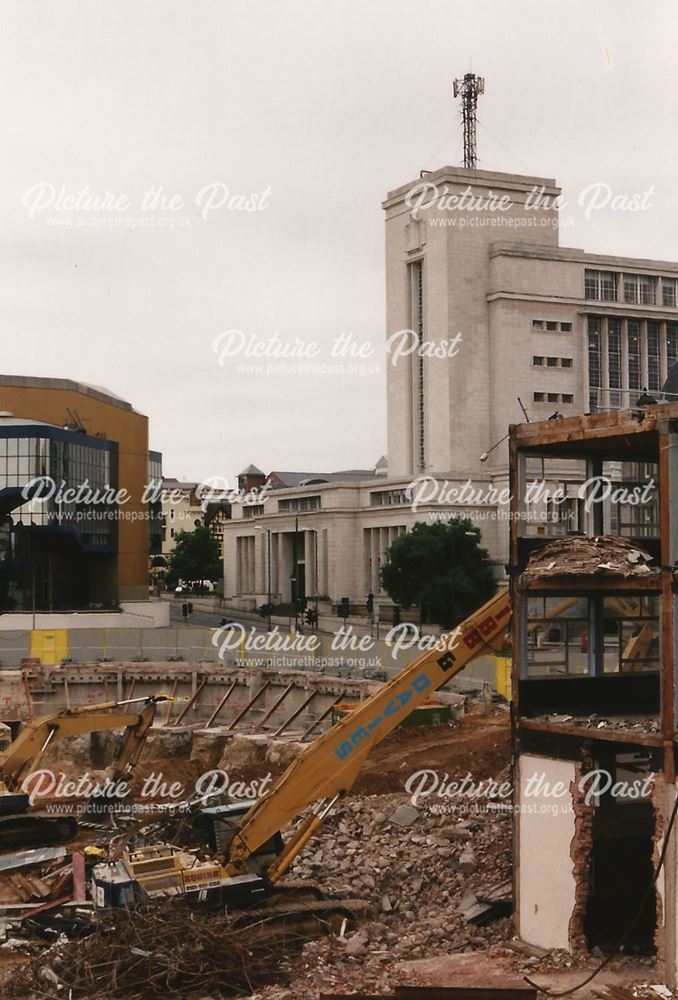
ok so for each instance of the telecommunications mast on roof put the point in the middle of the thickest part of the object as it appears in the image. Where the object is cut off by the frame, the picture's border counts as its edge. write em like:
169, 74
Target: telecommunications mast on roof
469, 88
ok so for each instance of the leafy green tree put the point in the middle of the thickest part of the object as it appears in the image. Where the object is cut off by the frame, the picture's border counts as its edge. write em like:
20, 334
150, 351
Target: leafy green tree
440, 568
195, 557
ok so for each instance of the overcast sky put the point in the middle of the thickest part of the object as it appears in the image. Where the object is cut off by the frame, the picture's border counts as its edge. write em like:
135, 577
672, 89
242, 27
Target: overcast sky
317, 109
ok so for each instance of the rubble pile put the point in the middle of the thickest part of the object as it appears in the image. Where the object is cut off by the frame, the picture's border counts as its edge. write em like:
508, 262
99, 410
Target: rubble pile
314, 975
605, 555
430, 877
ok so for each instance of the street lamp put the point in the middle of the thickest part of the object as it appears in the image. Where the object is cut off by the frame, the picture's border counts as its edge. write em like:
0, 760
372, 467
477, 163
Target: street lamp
261, 527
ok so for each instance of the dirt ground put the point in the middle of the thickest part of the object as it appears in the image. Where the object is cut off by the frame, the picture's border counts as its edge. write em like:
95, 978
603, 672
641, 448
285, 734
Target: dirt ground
479, 744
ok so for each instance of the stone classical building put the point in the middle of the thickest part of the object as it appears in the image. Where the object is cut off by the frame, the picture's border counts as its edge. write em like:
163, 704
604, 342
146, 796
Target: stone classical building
488, 320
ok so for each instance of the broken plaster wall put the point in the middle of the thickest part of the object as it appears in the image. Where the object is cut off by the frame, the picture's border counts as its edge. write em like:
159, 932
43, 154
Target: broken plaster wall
545, 832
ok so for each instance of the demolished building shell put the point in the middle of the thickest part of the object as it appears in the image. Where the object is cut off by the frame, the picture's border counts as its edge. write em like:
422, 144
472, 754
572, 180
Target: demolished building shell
594, 549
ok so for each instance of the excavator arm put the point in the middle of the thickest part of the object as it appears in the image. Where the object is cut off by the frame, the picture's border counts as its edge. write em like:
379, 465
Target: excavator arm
24, 754
329, 766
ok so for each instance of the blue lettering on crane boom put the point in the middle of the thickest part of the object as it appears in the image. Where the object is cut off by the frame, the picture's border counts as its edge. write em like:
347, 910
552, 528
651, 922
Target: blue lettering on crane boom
395, 705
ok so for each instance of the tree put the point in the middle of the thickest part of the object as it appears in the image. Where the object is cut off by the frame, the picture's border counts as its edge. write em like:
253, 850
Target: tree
441, 569
195, 557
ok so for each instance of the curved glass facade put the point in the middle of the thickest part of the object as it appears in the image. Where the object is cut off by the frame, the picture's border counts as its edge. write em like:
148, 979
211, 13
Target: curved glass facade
59, 509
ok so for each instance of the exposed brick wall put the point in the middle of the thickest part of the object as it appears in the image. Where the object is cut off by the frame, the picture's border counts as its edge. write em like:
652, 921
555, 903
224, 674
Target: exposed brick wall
580, 852
659, 808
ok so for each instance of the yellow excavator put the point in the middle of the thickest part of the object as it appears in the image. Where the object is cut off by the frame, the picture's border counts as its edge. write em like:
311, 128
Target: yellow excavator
248, 840
23, 756
248, 854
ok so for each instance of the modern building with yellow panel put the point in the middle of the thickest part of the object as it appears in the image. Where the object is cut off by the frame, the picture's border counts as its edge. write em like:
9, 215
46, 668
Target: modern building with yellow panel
75, 521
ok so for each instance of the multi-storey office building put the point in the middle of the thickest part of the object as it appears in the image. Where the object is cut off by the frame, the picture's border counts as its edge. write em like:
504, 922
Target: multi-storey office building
74, 485
488, 319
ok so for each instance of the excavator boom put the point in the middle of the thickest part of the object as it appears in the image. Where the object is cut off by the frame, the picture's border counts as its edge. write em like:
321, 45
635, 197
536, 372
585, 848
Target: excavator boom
26, 751
329, 766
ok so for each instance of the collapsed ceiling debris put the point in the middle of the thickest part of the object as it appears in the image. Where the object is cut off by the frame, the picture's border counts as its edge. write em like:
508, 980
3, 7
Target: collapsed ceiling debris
603, 555
647, 724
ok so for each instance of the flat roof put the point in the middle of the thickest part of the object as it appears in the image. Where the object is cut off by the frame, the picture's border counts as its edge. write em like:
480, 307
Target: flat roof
542, 251
481, 178
39, 382
9, 420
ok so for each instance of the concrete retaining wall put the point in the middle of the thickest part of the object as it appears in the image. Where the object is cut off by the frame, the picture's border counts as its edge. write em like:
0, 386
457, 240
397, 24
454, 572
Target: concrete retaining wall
143, 614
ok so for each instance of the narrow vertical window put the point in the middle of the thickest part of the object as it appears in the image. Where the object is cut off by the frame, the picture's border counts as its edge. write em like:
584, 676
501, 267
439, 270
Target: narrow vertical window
614, 365
419, 393
594, 362
669, 292
671, 345
634, 353
653, 379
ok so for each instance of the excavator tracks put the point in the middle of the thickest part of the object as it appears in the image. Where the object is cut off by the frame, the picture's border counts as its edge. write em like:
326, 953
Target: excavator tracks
25, 831
311, 918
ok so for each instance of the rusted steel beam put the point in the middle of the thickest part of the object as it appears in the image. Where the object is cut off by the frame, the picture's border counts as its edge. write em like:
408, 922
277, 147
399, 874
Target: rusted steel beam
170, 703
43, 907
191, 701
79, 892
275, 705
241, 715
221, 704
321, 718
296, 713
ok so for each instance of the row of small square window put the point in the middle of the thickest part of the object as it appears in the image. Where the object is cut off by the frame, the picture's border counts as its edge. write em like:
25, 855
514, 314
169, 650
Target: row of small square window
540, 361
551, 325
552, 397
